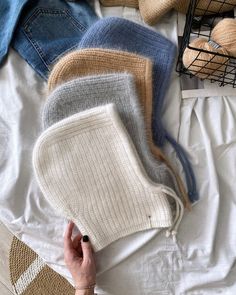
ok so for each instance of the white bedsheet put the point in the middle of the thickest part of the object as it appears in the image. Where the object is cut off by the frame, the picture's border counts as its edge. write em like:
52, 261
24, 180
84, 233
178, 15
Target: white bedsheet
203, 260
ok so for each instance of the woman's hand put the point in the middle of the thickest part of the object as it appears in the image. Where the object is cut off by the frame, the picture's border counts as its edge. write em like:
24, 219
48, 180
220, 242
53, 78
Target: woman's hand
79, 259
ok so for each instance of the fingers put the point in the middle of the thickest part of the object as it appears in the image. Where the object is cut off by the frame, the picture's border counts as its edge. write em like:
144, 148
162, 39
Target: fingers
69, 230
81, 245
76, 241
87, 248
77, 244
67, 237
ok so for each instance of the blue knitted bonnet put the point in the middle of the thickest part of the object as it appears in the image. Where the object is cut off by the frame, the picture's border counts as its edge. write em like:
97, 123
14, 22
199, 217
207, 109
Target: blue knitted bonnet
120, 34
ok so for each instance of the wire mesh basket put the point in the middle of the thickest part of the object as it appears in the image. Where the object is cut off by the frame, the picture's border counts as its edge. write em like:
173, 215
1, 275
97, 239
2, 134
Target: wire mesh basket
200, 22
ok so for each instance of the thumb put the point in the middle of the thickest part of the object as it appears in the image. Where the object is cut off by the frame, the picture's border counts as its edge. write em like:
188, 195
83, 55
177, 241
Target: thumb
86, 248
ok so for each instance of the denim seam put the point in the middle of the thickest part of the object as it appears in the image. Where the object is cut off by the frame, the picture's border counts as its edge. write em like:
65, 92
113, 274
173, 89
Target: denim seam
35, 47
78, 24
54, 11
28, 34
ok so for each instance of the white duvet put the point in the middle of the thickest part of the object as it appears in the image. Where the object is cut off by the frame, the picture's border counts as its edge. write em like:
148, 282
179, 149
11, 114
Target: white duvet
203, 260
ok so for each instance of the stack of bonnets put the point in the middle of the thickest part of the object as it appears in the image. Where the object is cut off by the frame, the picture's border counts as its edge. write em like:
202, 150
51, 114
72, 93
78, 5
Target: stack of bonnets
98, 160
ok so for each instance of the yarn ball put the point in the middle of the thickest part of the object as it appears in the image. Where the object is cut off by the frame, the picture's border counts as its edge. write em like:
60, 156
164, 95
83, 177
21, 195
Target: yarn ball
204, 65
224, 34
203, 5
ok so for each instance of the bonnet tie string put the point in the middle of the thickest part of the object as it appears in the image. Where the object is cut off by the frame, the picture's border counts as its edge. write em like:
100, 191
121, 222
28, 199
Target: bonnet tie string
173, 230
189, 174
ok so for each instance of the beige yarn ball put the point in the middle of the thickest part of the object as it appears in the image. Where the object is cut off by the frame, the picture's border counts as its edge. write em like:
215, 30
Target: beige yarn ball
202, 5
224, 34
204, 65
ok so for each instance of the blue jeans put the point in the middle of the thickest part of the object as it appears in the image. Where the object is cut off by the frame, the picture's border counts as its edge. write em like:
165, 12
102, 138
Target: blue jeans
48, 29
10, 11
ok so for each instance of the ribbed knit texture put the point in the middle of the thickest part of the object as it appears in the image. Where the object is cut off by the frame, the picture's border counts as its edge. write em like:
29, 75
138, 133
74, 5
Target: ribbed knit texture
89, 170
152, 10
119, 33
100, 61
91, 91
128, 3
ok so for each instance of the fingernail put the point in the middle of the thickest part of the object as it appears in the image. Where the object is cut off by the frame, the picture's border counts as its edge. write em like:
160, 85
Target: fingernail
85, 239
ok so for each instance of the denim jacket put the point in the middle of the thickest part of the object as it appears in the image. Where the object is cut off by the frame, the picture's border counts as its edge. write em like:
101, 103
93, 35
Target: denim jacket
9, 14
48, 29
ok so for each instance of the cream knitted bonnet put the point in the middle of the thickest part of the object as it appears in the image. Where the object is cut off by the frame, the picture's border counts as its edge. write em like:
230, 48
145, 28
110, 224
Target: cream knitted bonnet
119, 88
88, 169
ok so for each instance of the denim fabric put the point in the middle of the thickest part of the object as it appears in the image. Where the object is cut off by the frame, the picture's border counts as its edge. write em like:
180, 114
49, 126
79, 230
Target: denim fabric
9, 14
48, 29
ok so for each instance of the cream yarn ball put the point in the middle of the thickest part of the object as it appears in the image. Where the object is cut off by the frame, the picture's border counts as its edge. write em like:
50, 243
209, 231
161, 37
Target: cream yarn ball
224, 34
203, 64
206, 65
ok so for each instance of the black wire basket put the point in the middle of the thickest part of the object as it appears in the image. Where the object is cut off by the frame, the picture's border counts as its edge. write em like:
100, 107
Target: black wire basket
200, 23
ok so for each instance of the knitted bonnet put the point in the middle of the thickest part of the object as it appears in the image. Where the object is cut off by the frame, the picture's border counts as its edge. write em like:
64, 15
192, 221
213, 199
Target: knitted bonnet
117, 33
88, 169
91, 91
91, 62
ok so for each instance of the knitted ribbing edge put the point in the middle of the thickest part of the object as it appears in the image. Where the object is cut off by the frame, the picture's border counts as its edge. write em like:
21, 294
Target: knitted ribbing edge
88, 169
118, 33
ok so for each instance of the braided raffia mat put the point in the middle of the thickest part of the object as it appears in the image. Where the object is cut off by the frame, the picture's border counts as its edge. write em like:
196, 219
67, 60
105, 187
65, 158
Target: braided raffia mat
31, 276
